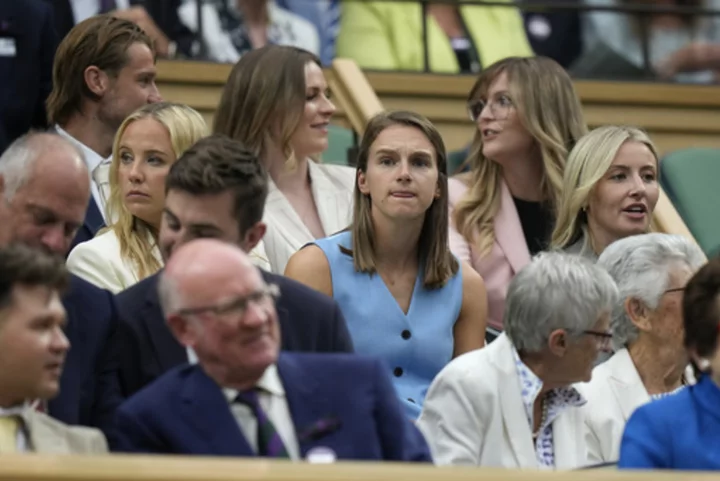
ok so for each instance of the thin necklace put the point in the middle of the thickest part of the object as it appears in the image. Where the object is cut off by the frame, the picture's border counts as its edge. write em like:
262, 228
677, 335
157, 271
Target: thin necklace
543, 418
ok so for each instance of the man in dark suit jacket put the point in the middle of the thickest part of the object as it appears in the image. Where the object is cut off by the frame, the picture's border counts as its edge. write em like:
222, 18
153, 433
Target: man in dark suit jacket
88, 103
50, 193
216, 189
159, 19
27, 48
244, 399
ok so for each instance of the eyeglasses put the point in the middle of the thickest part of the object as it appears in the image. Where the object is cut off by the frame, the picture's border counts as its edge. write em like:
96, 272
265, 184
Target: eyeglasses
674, 289
604, 339
235, 308
499, 107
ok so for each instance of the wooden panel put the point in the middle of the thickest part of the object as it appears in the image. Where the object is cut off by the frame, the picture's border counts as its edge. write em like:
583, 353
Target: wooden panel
676, 116
172, 468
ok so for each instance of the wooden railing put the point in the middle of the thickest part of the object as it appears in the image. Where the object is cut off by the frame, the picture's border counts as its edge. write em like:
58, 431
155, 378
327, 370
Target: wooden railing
165, 468
675, 116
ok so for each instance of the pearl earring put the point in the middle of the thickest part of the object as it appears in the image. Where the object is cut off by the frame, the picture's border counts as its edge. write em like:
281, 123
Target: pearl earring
703, 365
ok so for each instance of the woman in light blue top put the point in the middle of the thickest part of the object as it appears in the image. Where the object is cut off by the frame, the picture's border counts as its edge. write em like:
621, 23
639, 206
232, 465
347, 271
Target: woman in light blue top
405, 297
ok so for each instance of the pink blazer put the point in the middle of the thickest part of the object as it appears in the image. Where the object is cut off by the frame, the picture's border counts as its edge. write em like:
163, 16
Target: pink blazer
509, 252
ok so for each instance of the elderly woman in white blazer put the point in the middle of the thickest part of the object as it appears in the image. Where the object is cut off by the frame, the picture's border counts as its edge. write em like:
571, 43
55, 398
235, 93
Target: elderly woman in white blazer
512, 404
277, 103
650, 362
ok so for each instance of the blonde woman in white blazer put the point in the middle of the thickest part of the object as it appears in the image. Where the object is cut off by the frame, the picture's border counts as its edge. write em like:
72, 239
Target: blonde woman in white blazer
277, 103
512, 404
147, 143
651, 362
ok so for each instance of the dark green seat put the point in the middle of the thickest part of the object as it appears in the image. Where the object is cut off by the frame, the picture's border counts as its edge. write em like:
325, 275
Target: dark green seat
456, 160
691, 179
340, 140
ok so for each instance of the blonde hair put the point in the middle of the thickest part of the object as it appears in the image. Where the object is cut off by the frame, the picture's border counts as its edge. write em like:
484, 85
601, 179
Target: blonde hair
136, 237
587, 164
433, 251
548, 107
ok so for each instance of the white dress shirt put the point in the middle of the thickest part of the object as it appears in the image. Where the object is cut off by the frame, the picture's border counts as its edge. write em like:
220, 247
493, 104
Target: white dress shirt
84, 9
93, 160
271, 396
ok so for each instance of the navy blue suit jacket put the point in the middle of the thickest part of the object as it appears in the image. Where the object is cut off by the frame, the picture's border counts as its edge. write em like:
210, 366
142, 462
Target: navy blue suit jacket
91, 225
26, 77
338, 401
680, 431
88, 386
309, 322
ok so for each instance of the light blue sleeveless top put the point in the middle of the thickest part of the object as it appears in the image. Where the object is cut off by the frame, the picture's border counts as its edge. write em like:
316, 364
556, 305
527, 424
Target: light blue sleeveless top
416, 346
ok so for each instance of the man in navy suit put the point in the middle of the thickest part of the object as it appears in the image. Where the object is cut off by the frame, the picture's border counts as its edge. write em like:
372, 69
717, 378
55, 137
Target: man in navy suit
44, 187
243, 398
104, 70
27, 48
216, 189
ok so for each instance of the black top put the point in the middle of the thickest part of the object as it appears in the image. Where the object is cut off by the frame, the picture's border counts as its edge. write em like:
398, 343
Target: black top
536, 220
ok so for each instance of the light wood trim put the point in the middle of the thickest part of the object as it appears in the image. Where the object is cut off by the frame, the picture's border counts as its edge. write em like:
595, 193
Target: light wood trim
172, 468
352, 90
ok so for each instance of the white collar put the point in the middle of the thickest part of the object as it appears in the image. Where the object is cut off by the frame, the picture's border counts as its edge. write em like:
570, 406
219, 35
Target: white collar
269, 382
92, 158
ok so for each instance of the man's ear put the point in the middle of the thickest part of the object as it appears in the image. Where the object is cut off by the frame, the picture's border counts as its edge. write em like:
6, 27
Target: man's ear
97, 81
638, 313
181, 329
253, 236
558, 342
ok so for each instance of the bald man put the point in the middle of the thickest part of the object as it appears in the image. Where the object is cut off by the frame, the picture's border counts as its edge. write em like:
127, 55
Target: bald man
244, 397
46, 188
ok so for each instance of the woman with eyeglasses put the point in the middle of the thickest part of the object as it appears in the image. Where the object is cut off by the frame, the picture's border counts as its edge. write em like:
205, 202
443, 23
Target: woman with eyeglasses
683, 431
651, 271
528, 117
610, 190
513, 404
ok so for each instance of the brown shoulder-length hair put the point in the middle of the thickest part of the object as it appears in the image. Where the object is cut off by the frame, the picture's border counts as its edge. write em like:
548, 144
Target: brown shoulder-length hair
102, 41
264, 98
433, 251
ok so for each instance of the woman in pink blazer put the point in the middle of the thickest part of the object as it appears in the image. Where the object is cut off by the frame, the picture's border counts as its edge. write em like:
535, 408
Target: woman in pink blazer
528, 118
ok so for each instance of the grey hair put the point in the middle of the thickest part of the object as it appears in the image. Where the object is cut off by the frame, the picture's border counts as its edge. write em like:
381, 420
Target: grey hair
641, 266
168, 294
556, 291
17, 161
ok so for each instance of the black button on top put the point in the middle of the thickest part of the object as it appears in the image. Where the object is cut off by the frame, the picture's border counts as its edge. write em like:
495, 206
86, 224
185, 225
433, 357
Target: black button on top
411, 400
406, 334
398, 371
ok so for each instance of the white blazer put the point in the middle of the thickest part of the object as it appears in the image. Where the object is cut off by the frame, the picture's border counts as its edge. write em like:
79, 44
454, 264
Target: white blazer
613, 394
474, 415
332, 188
98, 261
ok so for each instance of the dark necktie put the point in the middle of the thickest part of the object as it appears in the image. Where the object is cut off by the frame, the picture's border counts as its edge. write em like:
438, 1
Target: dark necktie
107, 6
268, 440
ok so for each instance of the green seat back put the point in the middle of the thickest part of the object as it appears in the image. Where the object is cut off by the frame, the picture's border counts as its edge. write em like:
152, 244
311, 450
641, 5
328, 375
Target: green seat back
455, 160
691, 179
340, 140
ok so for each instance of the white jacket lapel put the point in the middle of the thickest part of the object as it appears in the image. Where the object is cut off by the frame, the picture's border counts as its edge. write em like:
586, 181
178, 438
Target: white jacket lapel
517, 430
568, 440
625, 383
43, 438
333, 195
